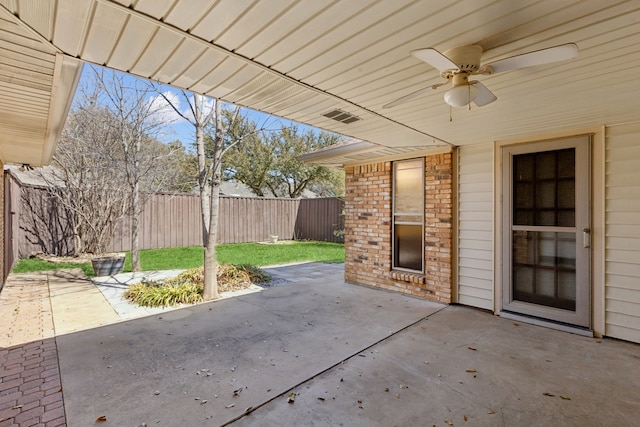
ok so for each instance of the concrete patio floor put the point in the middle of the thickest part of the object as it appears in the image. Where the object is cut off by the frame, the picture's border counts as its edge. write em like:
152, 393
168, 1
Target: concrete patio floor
322, 352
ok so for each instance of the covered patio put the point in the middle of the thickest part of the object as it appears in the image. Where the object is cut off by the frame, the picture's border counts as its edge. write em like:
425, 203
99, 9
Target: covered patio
323, 352
341, 66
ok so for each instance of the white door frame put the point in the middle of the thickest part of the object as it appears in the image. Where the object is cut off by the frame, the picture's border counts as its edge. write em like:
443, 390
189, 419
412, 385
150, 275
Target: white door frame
581, 230
597, 218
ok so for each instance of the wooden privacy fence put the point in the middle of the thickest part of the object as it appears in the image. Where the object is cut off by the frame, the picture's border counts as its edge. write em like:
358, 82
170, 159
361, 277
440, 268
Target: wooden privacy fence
172, 220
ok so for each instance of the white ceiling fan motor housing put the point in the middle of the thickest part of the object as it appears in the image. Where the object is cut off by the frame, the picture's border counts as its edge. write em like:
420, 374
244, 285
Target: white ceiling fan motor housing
467, 58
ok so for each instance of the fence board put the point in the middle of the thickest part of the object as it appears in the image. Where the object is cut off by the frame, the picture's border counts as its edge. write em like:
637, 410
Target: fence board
173, 220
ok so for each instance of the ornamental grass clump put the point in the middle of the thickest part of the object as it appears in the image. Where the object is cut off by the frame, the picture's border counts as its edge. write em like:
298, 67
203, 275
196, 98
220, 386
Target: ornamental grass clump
187, 287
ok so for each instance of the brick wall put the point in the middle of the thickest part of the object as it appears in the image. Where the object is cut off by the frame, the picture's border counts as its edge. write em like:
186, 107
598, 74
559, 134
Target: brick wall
368, 229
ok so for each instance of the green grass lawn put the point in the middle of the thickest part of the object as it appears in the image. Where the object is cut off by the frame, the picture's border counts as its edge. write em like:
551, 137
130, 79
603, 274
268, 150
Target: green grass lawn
190, 257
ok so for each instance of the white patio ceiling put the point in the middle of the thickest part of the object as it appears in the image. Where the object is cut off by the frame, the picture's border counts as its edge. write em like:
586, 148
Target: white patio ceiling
302, 59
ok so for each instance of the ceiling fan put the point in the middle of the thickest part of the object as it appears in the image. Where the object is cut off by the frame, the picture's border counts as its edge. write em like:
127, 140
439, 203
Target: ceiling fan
458, 64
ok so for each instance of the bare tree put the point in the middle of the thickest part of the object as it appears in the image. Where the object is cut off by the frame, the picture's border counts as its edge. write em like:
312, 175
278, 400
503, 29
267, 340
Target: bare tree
207, 114
107, 158
84, 181
139, 120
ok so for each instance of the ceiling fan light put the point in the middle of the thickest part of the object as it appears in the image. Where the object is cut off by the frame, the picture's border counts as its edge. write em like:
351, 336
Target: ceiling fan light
461, 95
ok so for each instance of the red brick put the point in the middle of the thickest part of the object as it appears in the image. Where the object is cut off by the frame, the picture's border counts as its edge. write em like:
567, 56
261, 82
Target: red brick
28, 387
10, 384
52, 415
10, 397
27, 416
57, 422
53, 398
31, 397
9, 413
53, 406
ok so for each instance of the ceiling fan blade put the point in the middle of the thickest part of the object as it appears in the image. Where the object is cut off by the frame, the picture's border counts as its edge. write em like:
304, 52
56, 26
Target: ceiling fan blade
485, 96
435, 59
410, 96
538, 57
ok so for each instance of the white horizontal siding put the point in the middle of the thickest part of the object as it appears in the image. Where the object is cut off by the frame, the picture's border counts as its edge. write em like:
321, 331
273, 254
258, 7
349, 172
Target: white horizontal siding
475, 226
622, 229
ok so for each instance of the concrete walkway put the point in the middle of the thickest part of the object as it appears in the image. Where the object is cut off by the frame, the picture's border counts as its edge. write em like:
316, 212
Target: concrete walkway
316, 352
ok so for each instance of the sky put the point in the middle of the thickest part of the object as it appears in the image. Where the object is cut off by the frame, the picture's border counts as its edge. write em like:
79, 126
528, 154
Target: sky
180, 129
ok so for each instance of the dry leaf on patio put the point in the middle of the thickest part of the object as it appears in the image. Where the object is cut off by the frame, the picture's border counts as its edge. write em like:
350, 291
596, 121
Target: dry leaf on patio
548, 394
101, 419
491, 412
564, 397
472, 348
447, 422
465, 418
471, 370
230, 406
291, 398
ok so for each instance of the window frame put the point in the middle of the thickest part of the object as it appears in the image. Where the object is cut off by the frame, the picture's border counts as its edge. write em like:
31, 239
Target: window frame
395, 214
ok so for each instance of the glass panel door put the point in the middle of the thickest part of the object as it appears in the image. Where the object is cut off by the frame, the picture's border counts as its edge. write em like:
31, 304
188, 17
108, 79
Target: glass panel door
546, 227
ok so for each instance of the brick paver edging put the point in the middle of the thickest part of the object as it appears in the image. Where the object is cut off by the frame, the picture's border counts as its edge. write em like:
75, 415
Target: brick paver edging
30, 388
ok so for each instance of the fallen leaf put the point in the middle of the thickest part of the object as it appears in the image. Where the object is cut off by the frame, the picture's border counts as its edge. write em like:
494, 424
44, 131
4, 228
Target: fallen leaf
321, 399
17, 407
472, 348
248, 409
471, 370
516, 324
386, 389
237, 392
402, 386
447, 422
202, 402
362, 355
101, 419
157, 392
548, 394
230, 406
291, 398
465, 418
491, 412
564, 397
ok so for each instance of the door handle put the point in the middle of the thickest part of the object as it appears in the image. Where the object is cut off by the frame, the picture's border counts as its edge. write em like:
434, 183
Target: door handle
586, 237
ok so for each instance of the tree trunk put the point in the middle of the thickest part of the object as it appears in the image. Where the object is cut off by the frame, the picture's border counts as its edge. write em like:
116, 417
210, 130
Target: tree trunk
207, 204
135, 228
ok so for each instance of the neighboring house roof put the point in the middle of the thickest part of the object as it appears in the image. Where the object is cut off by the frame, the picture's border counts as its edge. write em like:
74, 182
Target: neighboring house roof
238, 189
35, 177
354, 151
